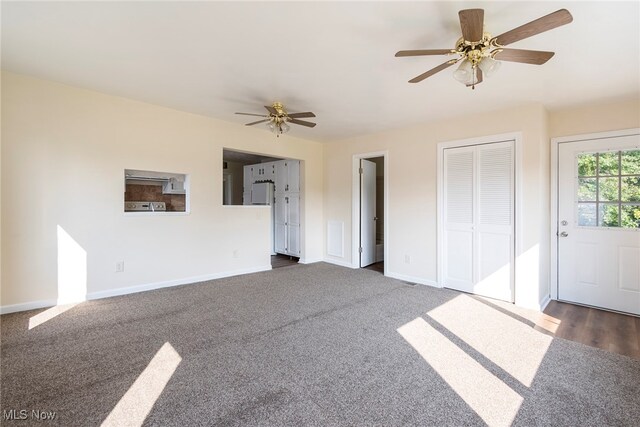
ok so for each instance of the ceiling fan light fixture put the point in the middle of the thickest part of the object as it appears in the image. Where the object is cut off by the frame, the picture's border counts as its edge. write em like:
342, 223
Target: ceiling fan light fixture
284, 128
464, 73
489, 66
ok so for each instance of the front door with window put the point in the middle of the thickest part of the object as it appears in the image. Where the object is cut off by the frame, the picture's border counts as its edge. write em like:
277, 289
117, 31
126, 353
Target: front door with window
599, 223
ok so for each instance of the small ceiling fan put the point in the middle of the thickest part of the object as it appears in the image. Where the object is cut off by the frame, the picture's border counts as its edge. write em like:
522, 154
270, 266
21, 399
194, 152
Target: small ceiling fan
479, 52
278, 118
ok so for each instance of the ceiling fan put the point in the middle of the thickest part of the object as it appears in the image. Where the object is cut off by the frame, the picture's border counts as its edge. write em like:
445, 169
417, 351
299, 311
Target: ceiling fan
278, 118
480, 53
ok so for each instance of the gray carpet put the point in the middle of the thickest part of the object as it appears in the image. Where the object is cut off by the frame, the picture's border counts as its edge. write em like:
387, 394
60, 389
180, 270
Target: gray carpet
310, 345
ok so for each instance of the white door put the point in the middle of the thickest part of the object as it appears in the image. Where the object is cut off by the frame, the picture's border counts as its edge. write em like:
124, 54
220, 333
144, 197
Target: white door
293, 224
599, 223
367, 212
479, 219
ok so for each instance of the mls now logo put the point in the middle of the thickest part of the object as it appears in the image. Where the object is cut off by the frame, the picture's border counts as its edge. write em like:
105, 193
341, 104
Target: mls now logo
23, 414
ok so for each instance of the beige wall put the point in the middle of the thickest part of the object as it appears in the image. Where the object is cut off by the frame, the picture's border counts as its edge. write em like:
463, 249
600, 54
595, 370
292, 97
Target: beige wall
60, 144
600, 117
412, 184
412, 213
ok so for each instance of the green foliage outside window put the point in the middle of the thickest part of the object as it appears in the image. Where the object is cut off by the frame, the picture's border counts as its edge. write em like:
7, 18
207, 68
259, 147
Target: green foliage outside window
609, 186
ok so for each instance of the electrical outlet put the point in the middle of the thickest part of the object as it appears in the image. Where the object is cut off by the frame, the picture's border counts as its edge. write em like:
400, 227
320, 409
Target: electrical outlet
236, 253
407, 259
119, 266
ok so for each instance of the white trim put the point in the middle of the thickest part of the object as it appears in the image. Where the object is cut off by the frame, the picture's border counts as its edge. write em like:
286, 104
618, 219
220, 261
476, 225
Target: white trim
544, 302
355, 207
412, 279
135, 289
489, 139
553, 223
32, 305
176, 282
339, 262
309, 261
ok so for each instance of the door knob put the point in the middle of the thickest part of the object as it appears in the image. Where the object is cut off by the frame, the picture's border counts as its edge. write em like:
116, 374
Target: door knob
375, 218
564, 234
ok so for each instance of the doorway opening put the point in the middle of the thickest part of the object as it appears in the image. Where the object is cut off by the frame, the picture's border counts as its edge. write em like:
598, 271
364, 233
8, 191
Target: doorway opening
370, 211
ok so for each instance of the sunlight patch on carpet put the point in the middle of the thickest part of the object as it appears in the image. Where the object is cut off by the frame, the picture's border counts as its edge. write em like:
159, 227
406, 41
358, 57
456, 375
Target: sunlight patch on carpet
135, 405
494, 401
48, 314
508, 341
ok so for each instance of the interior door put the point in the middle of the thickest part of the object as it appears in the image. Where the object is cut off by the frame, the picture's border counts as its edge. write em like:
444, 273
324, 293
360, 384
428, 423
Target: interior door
367, 212
479, 219
599, 223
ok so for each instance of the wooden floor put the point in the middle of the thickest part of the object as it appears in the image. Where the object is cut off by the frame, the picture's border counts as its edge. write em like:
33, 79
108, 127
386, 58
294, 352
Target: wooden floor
614, 332
280, 260
378, 266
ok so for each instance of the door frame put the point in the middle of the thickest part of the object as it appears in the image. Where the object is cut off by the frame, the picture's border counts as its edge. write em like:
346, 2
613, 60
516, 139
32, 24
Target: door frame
516, 137
555, 168
355, 210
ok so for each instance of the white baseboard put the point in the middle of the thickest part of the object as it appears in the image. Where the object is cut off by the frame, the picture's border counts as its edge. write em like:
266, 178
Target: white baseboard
32, 305
412, 279
544, 302
134, 289
309, 261
339, 262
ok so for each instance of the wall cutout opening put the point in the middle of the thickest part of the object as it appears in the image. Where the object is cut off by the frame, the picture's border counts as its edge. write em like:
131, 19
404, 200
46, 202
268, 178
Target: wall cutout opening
155, 192
240, 170
258, 180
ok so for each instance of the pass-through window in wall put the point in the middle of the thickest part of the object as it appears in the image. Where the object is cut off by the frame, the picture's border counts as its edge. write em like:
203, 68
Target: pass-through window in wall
237, 178
608, 189
155, 192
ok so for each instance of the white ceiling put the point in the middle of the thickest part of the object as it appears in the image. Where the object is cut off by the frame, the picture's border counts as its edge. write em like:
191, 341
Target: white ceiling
333, 58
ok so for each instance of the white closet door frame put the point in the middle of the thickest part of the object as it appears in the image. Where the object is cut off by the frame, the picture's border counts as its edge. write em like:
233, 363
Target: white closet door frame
516, 137
553, 237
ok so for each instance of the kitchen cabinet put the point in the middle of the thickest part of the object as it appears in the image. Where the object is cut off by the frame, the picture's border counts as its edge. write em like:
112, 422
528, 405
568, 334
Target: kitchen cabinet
264, 171
287, 224
287, 176
173, 186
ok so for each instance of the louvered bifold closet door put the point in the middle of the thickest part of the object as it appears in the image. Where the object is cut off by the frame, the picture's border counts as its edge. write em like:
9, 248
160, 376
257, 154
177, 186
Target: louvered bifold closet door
494, 224
458, 218
479, 219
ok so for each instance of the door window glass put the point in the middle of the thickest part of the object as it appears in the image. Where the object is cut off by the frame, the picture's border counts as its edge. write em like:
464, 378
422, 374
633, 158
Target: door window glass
608, 189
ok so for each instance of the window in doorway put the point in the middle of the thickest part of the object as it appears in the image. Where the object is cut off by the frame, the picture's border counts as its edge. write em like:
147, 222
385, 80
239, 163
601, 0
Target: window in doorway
608, 189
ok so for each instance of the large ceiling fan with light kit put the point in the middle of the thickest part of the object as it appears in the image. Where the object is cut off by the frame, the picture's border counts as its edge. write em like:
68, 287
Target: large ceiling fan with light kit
278, 118
480, 53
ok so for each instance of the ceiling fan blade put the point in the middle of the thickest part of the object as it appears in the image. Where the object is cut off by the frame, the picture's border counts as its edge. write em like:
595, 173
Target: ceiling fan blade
271, 110
478, 78
301, 115
301, 122
432, 71
536, 57
540, 25
255, 123
472, 24
251, 114
421, 52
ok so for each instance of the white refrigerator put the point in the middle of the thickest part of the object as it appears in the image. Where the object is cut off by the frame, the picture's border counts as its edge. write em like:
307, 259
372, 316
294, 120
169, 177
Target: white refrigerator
262, 194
